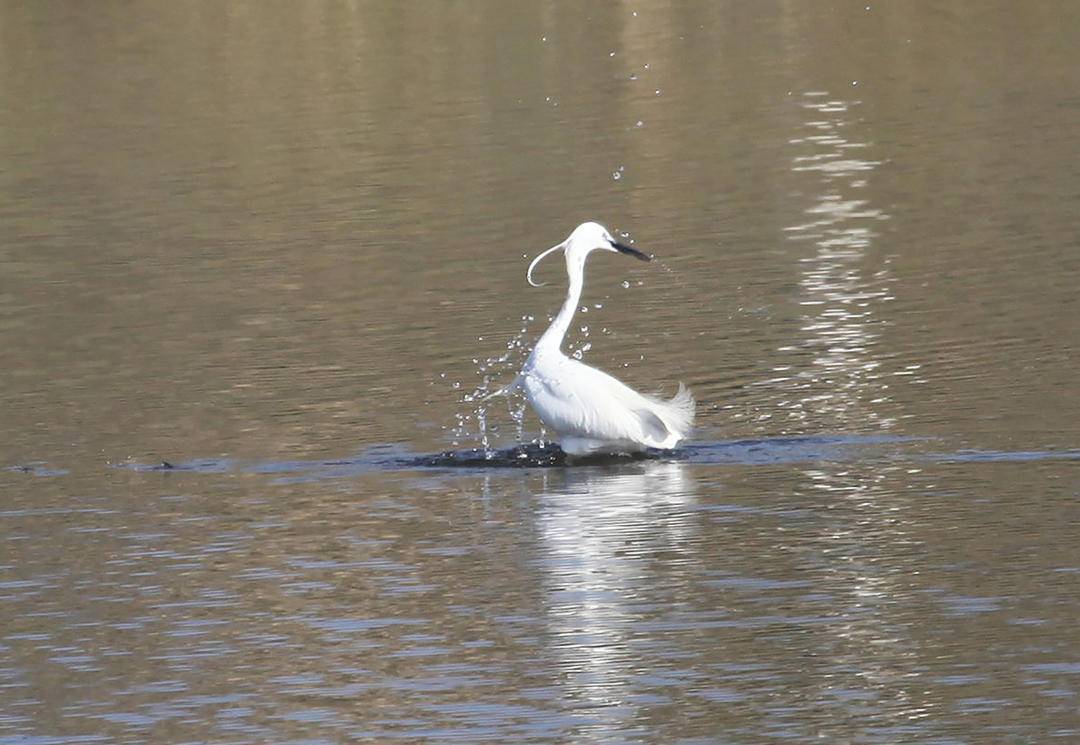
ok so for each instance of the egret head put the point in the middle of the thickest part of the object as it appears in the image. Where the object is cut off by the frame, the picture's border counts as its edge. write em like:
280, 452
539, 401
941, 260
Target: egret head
587, 237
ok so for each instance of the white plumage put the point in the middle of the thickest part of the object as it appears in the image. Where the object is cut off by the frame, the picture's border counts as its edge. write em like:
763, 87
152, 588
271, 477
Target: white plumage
589, 410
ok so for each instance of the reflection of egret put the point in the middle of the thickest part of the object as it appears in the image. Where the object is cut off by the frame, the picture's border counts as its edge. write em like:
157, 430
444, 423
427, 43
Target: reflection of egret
588, 409
600, 531
594, 516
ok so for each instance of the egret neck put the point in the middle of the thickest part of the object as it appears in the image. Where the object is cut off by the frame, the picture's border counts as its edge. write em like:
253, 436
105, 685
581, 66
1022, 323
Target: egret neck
552, 339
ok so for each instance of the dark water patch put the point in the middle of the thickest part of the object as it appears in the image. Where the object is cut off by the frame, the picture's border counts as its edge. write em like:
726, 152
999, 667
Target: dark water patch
384, 458
749, 452
531, 455
543, 455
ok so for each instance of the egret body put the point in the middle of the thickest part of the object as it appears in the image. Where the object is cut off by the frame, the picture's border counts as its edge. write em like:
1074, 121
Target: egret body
589, 410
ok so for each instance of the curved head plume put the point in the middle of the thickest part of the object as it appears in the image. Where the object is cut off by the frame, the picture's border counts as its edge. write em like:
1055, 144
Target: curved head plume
528, 274
587, 237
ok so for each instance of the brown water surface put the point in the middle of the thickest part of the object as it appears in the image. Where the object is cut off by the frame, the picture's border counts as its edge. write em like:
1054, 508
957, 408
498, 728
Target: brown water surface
277, 246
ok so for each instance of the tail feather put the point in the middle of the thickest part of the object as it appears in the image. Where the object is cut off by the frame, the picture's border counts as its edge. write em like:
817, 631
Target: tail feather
678, 412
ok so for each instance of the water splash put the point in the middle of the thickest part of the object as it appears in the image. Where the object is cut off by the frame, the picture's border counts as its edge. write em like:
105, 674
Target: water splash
517, 414
472, 422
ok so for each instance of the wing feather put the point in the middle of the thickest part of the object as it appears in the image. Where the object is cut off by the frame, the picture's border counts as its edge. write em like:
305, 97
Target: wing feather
577, 400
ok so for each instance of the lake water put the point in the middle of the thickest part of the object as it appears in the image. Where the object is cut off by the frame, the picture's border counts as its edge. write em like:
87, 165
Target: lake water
255, 258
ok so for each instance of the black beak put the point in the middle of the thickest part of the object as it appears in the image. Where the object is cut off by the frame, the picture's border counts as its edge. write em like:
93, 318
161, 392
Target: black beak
630, 251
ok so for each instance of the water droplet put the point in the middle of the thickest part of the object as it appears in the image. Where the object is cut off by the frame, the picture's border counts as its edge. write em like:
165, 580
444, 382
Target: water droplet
633, 76
659, 92
580, 352
646, 66
598, 306
639, 124
615, 175
456, 385
543, 38
584, 309
611, 54
626, 284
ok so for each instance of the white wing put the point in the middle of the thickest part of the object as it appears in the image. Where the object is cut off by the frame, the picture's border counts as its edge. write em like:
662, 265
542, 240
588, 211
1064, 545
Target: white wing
580, 401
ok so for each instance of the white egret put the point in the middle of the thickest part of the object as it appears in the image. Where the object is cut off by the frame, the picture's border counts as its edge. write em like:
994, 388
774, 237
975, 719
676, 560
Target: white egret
589, 410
